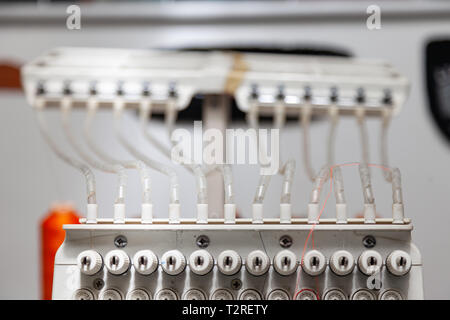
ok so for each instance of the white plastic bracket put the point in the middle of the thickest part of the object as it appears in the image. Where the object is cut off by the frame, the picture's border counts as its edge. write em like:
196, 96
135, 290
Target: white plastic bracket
174, 213
341, 213
147, 213
285, 212
229, 213
369, 213
91, 215
202, 213
257, 212
313, 213
398, 213
119, 213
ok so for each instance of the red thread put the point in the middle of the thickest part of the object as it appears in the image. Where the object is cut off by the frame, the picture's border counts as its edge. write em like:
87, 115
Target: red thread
310, 234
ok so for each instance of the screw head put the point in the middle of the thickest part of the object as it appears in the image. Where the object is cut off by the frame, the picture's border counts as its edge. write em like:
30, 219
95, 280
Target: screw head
120, 241
236, 284
369, 241
202, 241
285, 241
98, 283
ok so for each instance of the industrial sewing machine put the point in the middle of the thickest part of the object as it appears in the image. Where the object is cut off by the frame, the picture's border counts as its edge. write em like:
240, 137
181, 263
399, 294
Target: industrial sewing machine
227, 257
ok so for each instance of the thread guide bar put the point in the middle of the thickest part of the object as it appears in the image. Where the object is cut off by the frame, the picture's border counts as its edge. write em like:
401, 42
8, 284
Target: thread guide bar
266, 222
237, 74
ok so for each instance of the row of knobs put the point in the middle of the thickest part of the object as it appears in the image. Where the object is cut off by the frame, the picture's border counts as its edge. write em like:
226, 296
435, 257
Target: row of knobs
169, 294
229, 262
224, 294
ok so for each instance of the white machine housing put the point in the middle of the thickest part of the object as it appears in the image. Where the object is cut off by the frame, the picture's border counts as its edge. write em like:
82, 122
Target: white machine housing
243, 237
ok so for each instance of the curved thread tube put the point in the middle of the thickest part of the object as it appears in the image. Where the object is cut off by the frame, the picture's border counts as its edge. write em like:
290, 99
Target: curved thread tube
305, 119
288, 170
202, 189
66, 109
138, 165
264, 180
397, 195
227, 183
169, 172
334, 119
263, 184
144, 118
361, 119
87, 172
170, 117
321, 179
386, 121
366, 184
338, 183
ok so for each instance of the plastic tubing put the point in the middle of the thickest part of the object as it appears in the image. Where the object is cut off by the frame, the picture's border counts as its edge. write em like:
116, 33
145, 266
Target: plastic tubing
385, 122
398, 214
334, 119
87, 172
280, 114
397, 195
279, 117
145, 177
361, 120
321, 178
252, 116
305, 119
366, 184
338, 183
263, 184
227, 183
202, 186
144, 118
170, 117
169, 172
66, 108
288, 170
264, 180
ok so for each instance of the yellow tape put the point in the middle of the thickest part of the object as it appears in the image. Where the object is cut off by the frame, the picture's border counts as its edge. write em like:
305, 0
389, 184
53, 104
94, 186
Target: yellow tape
236, 74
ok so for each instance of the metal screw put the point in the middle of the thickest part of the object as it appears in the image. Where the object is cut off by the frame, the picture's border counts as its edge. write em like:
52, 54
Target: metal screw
285, 241
369, 241
98, 283
202, 241
236, 284
120, 241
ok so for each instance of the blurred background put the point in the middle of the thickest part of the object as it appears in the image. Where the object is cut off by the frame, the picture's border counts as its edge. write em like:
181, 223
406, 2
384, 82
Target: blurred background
414, 37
